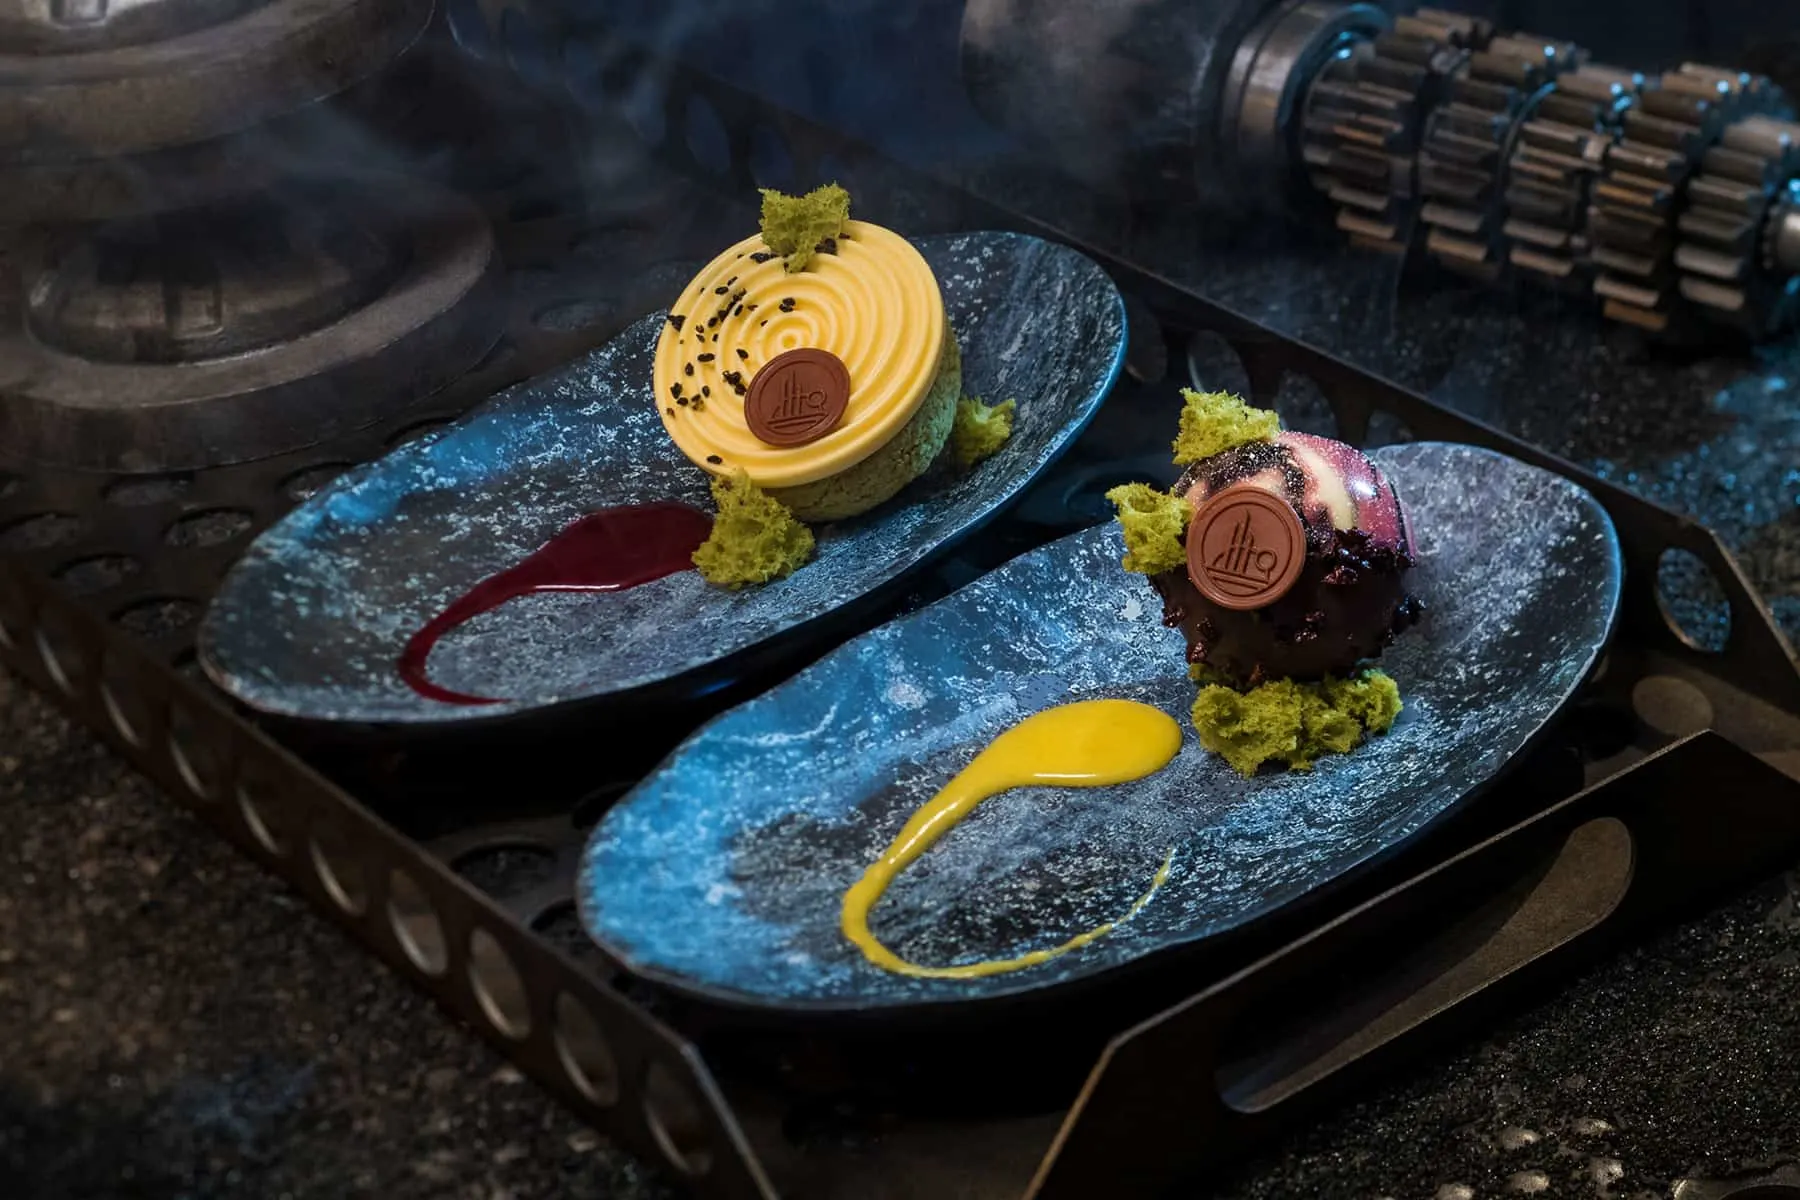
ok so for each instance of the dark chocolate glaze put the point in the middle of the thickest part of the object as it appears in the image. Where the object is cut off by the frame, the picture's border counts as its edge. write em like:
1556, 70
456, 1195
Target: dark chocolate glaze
1350, 601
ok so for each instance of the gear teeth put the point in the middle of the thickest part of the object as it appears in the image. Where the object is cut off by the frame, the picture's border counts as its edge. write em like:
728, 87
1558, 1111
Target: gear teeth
1365, 119
1463, 163
1558, 152
1633, 214
1739, 190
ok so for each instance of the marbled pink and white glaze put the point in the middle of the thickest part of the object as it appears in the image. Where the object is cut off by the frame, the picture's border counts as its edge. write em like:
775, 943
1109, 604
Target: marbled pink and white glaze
1331, 484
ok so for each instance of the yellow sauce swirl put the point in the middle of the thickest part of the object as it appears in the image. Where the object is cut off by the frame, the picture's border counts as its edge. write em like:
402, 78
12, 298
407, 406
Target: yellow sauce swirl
875, 304
1092, 743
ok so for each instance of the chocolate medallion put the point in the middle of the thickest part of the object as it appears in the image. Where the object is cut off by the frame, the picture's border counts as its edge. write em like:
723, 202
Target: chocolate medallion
797, 397
1245, 548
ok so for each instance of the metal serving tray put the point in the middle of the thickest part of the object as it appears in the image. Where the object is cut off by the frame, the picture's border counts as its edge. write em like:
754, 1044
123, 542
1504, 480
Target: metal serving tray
1670, 780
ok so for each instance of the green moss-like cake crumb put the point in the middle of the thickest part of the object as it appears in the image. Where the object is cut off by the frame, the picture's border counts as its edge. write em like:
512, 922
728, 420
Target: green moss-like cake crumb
1154, 523
980, 429
1293, 723
793, 226
1214, 422
753, 540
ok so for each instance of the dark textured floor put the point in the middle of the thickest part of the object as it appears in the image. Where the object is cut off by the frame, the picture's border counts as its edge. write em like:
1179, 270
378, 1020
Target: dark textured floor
174, 1024
1677, 1059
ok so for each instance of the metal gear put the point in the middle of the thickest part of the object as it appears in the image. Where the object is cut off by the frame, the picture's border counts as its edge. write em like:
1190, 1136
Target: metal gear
1632, 217
1558, 153
1463, 163
1365, 118
1733, 206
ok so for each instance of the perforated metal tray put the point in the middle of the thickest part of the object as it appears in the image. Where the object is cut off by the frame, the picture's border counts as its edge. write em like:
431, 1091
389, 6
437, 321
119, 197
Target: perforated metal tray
1613, 826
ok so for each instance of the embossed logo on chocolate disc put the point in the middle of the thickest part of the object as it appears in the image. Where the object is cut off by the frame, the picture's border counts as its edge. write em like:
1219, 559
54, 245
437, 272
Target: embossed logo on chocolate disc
1245, 548
797, 397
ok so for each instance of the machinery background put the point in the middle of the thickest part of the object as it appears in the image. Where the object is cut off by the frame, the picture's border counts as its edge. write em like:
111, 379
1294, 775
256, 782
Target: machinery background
1226, 104
1669, 195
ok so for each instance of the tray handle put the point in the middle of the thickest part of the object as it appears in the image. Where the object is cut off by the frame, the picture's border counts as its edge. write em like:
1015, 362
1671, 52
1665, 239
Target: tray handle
1214, 1076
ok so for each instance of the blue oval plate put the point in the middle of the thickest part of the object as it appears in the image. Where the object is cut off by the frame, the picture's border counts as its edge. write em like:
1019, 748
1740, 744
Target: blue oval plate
723, 872
311, 622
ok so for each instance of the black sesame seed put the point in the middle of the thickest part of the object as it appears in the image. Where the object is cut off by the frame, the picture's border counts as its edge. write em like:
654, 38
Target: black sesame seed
705, 391
743, 354
670, 411
738, 311
682, 400
711, 321
828, 246
761, 256
751, 307
787, 305
731, 281
765, 322
699, 405
677, 320
739, 388
688, 369
714, 459
720, 291
675, 390
706, 357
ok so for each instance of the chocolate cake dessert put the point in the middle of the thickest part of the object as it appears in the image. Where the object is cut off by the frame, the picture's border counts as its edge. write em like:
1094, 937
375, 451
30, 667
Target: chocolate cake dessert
1296, 559
1282, 558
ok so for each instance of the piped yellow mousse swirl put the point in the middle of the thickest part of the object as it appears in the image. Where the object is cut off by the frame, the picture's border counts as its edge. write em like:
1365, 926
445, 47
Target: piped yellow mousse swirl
874, 304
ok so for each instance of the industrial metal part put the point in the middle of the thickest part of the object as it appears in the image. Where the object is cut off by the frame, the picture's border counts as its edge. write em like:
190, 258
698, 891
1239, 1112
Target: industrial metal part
1365, 118
1558, 152
105, 189
1632, 218
1781, 241
243, 330
1468, 145
1501, 155
1269, 74
1780, 1184
62, 27
1733, 203
1128, 94
88, 79
203, 284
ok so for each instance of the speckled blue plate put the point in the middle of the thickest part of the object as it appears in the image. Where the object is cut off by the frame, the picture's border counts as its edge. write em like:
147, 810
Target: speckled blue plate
722, 873
312, 620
